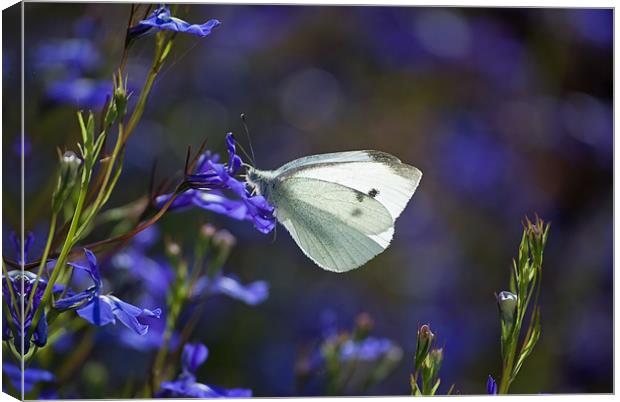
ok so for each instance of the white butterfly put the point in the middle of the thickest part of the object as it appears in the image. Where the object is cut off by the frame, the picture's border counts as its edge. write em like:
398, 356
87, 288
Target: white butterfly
339, 208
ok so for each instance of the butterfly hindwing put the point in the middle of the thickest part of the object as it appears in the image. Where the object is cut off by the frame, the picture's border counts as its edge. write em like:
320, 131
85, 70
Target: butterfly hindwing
320, 225
338, 204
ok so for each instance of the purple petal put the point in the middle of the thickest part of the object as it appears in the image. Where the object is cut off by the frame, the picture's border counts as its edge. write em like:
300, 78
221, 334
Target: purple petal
193, 356
75, 300
98, 312
128, 314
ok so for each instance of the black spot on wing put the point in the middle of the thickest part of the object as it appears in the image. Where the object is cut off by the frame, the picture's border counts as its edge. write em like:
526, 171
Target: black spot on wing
373, 192
359, 196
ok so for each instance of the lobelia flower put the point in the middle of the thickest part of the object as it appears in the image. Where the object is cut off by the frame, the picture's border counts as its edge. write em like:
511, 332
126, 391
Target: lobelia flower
186, 386
13, 283
161, 19
100, 309
14, 330
253, 293
32, 376
207, 182
491, 386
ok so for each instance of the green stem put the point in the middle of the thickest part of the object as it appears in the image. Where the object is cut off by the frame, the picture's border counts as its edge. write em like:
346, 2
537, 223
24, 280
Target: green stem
507, 372
46, 251
66, 248
139, 109
102, 188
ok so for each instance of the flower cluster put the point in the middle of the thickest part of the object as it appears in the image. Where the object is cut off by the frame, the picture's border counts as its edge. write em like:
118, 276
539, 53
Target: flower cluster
206, 185
100, 309
186, 385
349, 361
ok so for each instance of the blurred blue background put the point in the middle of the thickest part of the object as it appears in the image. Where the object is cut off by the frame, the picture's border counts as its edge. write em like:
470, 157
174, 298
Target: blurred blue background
507, 112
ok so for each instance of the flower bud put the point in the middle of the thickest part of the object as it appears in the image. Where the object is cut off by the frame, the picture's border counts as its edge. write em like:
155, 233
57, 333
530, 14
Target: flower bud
207, 231
363, 326
120, 95
507, 303
223, 238
425, 340
120, 100
435, 357
491, 386
173, 249
67, 177
111, 113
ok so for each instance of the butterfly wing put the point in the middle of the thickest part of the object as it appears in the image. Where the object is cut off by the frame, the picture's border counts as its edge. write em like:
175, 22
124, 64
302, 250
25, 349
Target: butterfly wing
338, 227
376, 174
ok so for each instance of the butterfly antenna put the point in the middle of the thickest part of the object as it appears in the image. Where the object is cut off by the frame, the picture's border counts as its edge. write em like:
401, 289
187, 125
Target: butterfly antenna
245, 153
247, 134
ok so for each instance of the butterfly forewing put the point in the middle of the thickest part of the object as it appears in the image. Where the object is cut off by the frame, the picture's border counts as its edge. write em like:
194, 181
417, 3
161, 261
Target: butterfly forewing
376, 174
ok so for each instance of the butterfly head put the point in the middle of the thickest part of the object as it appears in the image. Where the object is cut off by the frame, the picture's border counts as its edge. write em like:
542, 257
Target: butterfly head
260, 181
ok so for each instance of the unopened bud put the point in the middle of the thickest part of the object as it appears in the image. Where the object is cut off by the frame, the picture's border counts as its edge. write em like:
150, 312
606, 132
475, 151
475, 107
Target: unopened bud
173, 249
207, 231
223, 238
507, 303
111, 114
120, 96
424, 342
436, 356
67, 177
363, 326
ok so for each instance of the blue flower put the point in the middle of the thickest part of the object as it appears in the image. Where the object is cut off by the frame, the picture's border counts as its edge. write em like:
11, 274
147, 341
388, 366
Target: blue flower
253, 293
207, 182
32, 376
161, 19
491, 386
186, 386
100, 309
14, 331
14, 283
